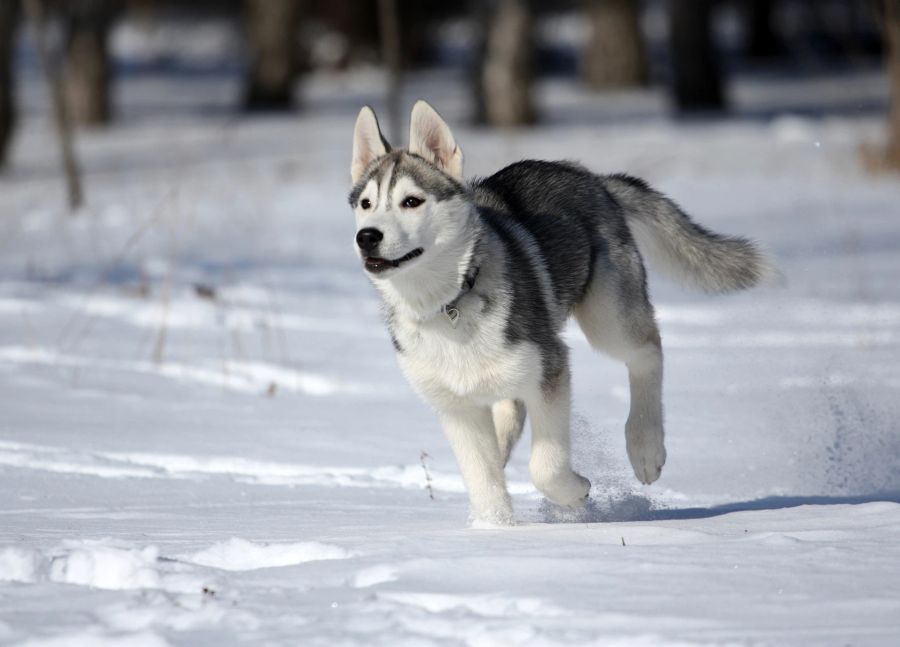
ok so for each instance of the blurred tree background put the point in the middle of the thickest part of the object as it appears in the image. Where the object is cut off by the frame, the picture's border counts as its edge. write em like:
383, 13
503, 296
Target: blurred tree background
501, 45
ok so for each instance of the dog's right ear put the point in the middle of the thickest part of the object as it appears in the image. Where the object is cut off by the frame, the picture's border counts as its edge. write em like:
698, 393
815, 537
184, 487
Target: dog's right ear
368, 143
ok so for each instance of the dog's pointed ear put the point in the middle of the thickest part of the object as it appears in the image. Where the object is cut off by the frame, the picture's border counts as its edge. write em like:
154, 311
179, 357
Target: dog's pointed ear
430, 138
368, 143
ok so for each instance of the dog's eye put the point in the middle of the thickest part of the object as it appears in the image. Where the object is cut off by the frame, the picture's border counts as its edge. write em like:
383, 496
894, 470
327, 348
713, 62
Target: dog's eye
411, 202
364, 203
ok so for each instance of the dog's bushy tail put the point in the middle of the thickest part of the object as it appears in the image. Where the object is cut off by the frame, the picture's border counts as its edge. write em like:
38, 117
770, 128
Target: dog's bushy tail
678, 246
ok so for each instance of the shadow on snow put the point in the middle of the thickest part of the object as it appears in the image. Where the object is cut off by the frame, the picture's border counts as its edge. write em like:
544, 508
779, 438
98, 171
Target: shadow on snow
636, 507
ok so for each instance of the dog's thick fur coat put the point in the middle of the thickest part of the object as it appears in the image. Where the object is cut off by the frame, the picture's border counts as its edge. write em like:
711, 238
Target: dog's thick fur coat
479, 278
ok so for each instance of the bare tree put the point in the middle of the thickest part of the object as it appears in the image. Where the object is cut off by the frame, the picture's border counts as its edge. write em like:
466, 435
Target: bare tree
892, 33
86, 66
697, 82
8, 18
271, 36
389, 23
503, 71
879, 158
761, 40
37, 15
614, 56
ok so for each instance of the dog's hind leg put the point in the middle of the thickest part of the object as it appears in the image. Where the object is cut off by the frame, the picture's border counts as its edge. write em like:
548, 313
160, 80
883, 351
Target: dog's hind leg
617, 318
509, 420
549, 407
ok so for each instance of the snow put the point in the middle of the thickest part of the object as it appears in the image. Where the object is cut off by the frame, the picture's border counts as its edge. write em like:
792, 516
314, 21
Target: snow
241, 555
205, 438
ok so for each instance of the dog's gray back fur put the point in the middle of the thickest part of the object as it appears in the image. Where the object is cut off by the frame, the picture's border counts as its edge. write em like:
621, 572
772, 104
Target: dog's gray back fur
568, 213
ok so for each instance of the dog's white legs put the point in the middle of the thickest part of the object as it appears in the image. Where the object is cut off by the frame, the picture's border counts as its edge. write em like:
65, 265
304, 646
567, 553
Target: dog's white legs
618, 320
470, 431
509, 419
550, 464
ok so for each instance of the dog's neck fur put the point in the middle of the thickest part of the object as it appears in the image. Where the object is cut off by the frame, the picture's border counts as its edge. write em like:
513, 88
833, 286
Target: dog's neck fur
440, 278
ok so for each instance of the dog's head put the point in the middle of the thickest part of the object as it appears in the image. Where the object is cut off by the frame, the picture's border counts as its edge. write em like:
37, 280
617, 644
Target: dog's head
409, 204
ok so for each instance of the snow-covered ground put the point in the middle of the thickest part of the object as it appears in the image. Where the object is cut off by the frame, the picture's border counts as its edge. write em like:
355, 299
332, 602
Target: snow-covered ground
205, 440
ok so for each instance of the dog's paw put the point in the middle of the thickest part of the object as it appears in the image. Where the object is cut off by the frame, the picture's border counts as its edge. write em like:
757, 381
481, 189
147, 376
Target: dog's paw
573, 492
566, 488
491, 506
477, 523
491, 517
647, 452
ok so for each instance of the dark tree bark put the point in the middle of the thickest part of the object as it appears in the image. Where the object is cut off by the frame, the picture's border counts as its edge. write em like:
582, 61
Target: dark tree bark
614, 56
86, 66
697, 82
892, 34
416, 19
389, 23
8, 17
354, 20
503, 71
37, 13
272, 70
762, 41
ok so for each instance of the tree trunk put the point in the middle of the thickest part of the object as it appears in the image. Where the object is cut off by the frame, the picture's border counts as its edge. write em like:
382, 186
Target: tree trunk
86, 67
697, 83
614, 56
389, 22
762, 41
36, 10
271, 33
892, 34
8, 17
503, 75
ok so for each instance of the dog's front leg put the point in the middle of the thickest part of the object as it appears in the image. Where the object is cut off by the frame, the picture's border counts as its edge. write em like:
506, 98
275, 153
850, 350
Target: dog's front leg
470, 430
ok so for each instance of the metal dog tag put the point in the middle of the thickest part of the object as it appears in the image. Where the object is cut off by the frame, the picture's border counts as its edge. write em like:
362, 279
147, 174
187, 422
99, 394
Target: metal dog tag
452, 315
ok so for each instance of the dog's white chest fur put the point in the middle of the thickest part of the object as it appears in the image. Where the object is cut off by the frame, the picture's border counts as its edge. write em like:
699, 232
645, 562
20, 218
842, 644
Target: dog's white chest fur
470, 360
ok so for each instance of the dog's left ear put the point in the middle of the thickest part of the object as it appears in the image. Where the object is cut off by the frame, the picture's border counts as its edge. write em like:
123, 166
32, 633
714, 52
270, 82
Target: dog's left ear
430, 137
368, 143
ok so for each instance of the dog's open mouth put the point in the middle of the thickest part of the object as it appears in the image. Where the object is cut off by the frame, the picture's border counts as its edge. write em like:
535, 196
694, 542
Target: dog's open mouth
375, 264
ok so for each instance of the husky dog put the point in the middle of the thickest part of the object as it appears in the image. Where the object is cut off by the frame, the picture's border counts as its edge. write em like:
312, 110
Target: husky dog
478, 279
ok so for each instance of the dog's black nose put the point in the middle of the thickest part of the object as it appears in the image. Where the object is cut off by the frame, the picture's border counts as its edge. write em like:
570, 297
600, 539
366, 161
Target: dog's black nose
368, 238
